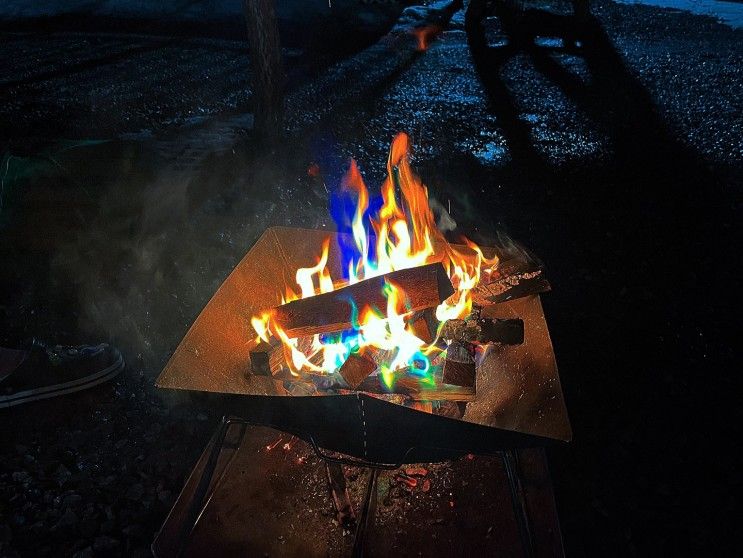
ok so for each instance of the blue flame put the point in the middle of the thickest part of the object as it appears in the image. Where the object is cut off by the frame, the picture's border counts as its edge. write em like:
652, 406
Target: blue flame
343, 203
343, 206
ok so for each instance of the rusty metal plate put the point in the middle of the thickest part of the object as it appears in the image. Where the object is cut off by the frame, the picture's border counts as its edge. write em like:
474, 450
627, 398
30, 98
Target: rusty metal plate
518, 387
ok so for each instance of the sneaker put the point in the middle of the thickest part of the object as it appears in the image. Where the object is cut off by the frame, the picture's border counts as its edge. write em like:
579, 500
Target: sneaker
44, 372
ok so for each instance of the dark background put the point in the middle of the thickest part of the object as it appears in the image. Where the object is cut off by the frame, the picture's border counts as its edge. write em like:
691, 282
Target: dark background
132, 186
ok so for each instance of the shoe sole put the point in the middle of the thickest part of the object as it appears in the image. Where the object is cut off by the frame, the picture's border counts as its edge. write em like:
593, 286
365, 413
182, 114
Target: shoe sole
7, 401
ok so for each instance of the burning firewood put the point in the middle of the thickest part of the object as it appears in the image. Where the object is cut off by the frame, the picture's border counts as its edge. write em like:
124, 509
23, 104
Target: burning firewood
356, 368
449, 409
476, 329
419, 324
459, 367
485, 330
512, 279
462, 331
268, 359
261, 356
425, 287
412, 389
422, 406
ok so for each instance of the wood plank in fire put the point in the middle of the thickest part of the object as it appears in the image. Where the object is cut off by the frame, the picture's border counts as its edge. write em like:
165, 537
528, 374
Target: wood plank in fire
411, 387
425, 287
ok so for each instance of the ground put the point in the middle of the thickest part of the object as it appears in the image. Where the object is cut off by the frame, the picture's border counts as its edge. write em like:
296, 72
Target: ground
130, 188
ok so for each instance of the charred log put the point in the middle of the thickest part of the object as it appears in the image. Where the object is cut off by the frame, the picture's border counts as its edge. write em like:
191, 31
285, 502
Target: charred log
260, 359
459, 367
421, 328
485, 330
270, 359
512, 279
411, 388
356, 368
425, 287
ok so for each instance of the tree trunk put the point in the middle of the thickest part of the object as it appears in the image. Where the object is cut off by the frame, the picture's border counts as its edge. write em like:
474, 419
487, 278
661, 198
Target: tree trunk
268, 75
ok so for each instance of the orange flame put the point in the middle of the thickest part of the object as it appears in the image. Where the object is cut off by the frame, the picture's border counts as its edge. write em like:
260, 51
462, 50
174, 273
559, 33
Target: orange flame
406, 236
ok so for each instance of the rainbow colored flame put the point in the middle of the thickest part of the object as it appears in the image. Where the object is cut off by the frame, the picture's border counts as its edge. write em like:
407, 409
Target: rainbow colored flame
383, 236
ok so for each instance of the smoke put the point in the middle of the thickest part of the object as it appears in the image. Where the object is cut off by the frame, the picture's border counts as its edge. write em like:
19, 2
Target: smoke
164, 238
162, 242
443, 220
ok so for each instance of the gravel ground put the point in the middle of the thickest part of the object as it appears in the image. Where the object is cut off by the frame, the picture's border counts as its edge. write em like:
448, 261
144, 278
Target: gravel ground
619, 165
158, 82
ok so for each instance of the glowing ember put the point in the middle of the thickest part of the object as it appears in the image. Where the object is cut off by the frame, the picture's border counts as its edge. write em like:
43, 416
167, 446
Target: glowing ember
385, 236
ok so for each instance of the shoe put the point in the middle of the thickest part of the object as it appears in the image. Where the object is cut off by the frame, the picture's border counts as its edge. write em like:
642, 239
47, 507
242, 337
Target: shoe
44, 372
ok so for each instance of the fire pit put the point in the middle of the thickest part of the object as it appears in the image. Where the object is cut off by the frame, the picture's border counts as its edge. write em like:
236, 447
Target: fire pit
382, 342
392, 334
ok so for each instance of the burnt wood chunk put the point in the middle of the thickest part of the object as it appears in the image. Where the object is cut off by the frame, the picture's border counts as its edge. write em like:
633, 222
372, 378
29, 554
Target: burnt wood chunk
269, 359
260, 359
425, 287
305, 346
356, 368
463, 331
460, 352
420, 328
507, 332
459, 367
459, 373
511, 279
485, 330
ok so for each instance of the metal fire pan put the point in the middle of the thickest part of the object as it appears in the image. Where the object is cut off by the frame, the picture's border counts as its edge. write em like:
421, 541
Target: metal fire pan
518, 397
275, 502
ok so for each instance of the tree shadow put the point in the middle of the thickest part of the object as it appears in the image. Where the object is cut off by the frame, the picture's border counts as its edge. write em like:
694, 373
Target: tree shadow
617, 103
644, 230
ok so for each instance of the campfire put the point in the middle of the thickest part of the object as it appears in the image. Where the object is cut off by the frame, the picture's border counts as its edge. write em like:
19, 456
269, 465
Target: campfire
402, 312
383, 308
374, 346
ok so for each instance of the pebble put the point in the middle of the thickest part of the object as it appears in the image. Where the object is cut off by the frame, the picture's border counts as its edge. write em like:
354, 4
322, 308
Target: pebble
68, 520
72, 499
21, 476
62, 475
104, 544
88, 527
86, 552
135, 492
